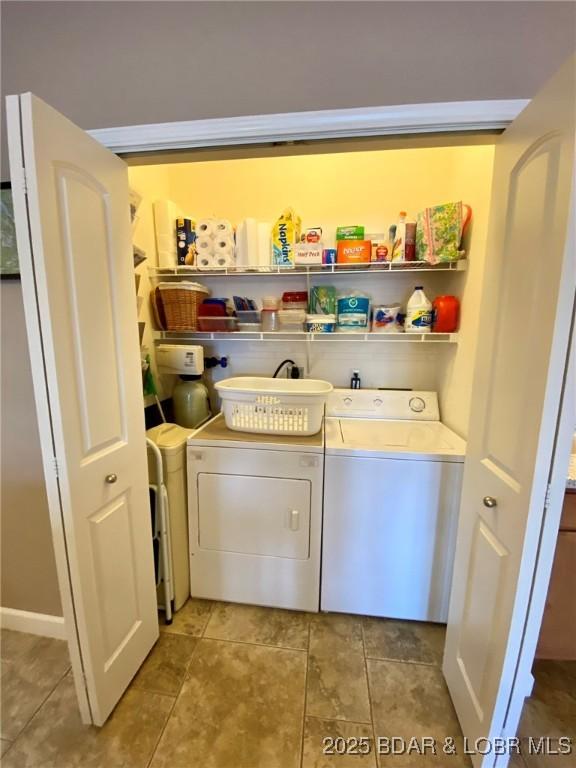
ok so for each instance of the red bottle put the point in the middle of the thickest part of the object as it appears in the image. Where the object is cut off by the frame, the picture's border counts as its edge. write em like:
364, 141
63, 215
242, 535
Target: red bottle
446, 314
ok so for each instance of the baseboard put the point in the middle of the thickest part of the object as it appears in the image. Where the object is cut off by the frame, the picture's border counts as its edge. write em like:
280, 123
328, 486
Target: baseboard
34, 623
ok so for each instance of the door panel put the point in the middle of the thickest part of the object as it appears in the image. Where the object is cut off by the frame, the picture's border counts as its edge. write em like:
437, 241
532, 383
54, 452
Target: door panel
486, 571
74, 234
520, 367
83, 205
111, 531
519, 308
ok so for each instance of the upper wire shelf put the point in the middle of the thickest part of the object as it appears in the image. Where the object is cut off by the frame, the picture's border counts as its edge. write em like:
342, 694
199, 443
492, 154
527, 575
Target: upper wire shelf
324, 269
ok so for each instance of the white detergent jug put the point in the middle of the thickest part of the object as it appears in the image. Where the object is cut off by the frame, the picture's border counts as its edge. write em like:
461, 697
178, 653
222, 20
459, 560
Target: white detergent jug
418, 312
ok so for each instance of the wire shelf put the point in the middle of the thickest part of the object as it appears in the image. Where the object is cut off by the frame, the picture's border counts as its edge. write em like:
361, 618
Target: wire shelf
330, 338
324, 269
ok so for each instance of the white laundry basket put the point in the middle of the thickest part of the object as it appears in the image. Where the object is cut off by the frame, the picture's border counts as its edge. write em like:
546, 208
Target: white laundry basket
274, 406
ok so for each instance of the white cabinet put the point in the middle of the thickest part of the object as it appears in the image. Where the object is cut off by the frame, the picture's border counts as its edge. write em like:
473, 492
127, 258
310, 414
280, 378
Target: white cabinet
255, 522
389, 536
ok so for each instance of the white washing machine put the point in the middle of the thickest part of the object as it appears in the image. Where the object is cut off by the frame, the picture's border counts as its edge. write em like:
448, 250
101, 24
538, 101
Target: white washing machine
393, 476
255, 516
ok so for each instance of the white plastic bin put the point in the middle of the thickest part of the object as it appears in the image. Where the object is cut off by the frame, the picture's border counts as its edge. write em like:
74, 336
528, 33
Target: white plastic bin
274, 406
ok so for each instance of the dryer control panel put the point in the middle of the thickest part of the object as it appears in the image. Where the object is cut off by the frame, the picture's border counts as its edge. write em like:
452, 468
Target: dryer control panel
383, 404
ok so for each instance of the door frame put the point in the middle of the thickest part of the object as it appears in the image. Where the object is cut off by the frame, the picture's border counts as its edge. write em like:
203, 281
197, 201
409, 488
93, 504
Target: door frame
407, 119
414, 120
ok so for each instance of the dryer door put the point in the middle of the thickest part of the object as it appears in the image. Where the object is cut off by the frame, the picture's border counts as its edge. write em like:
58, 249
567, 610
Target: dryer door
254, 515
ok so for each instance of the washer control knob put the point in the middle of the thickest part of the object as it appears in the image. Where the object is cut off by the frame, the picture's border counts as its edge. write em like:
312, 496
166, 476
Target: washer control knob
347, 401
377, 402
416, 404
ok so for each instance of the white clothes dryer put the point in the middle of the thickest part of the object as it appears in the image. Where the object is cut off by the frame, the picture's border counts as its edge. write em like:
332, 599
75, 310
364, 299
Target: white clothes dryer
255, 509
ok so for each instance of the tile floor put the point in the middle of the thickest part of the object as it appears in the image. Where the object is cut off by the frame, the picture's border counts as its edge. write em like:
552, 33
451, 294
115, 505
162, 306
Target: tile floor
549, 713
237, 686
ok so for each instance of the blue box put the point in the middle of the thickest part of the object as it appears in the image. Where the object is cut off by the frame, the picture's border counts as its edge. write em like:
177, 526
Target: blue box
329, 256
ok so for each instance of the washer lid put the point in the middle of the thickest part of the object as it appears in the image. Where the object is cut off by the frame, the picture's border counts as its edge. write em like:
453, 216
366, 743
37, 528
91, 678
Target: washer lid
393, 439
383, 434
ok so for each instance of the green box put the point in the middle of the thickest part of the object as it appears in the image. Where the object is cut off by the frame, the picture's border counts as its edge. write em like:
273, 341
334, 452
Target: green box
322, 300
355, 232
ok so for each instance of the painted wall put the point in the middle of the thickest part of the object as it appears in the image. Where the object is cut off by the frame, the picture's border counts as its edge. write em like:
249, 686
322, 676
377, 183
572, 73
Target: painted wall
350, 188
28, 577
124, 63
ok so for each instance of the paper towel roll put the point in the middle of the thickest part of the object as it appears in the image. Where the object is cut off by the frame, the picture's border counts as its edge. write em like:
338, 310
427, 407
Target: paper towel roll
223, 244
222, 227
247, 243
264, 249
205, 227
205, 261
165, 214
204, 246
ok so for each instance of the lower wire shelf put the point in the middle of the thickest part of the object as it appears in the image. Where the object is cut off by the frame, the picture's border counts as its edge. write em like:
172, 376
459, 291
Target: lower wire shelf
330, 338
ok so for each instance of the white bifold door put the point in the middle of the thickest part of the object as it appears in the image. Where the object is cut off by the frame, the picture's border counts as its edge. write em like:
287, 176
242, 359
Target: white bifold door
526, 316
74, 243
71, 206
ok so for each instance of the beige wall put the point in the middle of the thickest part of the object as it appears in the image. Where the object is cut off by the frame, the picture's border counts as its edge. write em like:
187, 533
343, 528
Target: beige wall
28, 567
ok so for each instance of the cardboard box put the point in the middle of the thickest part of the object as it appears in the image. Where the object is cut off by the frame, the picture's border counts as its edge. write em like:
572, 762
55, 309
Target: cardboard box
354, 251
308, 253
185, 241
354, 232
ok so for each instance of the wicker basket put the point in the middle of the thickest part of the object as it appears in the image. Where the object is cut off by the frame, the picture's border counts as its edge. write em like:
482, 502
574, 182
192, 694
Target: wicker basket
180, 302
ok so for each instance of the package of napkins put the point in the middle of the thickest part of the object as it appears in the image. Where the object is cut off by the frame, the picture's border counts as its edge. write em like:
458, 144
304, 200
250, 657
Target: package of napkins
439, 232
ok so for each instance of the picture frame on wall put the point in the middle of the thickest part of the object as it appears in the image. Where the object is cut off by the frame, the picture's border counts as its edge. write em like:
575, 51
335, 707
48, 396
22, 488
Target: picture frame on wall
9, 266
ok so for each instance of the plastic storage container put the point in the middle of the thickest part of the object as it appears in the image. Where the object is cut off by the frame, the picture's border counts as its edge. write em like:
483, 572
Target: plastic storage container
295, 300
446, 314
248, 316
270, 302
270, 320
217, 324
249, 327
291, 320
274, 406
320, 323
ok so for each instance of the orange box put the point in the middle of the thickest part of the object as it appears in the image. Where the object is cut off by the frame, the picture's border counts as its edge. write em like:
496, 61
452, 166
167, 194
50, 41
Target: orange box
354, 251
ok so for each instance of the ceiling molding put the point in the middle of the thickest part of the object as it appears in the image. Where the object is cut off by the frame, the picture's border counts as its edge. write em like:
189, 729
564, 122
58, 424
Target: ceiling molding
443, 117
